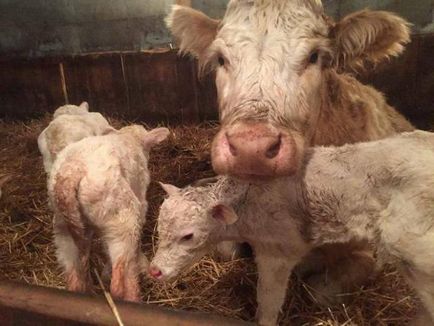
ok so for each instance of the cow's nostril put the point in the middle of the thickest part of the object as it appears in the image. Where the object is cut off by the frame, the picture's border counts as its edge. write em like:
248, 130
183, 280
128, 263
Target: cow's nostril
274, 148
232, 147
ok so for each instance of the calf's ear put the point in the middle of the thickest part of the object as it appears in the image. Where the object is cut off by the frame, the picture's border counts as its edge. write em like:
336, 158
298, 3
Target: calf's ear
186, 3
169, 189
154, 137
192, 29
368, 37
224, 214
108, 130
85, 106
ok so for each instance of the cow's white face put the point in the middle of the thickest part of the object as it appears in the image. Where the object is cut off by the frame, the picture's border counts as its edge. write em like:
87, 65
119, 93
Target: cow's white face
272, 59
269, 61
189, 223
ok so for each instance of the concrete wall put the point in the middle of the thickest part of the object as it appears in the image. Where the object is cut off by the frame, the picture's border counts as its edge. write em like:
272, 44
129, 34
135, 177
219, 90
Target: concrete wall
44, 27
33, 28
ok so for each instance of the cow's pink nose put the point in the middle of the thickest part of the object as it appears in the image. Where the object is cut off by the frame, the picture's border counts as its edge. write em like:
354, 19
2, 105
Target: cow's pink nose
155, 272
254, 150
267, 147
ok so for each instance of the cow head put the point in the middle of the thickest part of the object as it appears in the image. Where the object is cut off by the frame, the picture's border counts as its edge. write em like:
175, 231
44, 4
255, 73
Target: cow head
271, 59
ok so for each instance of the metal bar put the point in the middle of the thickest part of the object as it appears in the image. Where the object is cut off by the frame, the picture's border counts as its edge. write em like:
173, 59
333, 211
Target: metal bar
95, 310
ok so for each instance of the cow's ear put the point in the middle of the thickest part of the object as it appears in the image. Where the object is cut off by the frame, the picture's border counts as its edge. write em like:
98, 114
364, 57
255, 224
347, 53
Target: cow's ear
192, 29
368, 37
224, 214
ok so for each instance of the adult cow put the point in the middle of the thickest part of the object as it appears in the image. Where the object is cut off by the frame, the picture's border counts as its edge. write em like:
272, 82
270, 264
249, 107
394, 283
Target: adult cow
281, 83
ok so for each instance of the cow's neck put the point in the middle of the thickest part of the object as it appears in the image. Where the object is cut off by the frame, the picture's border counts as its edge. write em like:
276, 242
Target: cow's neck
346, 112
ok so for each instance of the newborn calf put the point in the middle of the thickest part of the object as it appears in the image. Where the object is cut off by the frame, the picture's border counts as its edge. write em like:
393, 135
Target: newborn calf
382, 192
99, 184
70, 124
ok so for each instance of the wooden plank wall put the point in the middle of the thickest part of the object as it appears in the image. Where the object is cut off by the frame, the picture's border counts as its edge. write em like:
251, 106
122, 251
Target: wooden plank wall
148, 86
159, 86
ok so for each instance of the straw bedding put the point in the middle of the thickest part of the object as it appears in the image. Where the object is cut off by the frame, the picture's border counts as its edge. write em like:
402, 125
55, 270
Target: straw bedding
27, 251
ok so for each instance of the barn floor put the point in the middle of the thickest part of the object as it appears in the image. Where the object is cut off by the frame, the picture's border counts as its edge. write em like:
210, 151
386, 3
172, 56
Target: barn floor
27, 252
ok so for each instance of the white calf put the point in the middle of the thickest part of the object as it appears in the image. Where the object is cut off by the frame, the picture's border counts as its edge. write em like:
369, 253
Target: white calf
70, 124
381, 192
99, 184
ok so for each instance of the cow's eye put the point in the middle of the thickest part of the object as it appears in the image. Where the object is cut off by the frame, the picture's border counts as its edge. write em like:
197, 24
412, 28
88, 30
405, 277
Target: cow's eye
221, 60
313, 58
187, 237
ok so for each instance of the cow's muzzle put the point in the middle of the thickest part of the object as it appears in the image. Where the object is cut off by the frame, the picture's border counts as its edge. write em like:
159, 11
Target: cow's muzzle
254, 151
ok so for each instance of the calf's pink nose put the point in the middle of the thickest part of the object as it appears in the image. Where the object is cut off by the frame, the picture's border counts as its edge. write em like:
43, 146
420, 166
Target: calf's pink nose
155, 272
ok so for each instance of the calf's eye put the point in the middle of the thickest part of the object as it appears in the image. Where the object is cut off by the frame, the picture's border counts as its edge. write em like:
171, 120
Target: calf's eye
314, 57
187, 237
221, 61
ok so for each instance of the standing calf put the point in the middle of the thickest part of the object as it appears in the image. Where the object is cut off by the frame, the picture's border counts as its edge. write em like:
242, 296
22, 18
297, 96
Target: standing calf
99, 184
381, 192
70, 124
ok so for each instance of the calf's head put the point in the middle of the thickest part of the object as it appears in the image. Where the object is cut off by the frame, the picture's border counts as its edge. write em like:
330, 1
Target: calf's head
147, 139
71, 109
271, 60
191, 220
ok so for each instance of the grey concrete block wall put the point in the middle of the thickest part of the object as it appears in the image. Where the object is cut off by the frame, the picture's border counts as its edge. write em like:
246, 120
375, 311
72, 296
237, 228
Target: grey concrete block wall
36, 28
33, 28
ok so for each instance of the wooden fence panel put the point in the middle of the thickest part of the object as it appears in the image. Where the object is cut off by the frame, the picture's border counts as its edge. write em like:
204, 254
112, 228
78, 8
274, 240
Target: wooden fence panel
161, 87
98, 80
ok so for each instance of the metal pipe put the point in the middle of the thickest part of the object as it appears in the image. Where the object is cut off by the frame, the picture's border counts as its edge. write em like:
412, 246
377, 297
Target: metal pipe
95, 310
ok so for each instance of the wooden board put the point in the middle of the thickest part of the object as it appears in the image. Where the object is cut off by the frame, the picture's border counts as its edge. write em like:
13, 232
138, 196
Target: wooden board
161, 87
98, 80
28, 89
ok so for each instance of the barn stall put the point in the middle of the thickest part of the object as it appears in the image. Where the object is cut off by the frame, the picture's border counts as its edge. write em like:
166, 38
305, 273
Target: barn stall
118, 56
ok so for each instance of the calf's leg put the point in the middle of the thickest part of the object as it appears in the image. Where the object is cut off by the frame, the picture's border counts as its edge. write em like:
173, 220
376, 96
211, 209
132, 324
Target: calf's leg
273, 277
424, 285
73, 251
122, 238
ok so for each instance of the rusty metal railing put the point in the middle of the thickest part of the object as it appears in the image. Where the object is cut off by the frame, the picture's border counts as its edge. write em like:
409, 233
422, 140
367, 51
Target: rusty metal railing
55, 304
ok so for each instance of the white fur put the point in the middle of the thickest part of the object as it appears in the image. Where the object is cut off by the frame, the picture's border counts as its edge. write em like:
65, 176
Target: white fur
100, 184
70, 124
381, 191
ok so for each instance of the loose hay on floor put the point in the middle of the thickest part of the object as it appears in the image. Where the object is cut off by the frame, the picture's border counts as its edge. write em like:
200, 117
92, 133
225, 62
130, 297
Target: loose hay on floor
27, 252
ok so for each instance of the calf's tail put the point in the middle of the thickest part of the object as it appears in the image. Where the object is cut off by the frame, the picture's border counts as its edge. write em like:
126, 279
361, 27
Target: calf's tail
65, 195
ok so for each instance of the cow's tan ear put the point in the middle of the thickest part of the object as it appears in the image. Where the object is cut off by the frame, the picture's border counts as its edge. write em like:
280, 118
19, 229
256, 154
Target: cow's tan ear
368, 37
224, 214
193, 30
